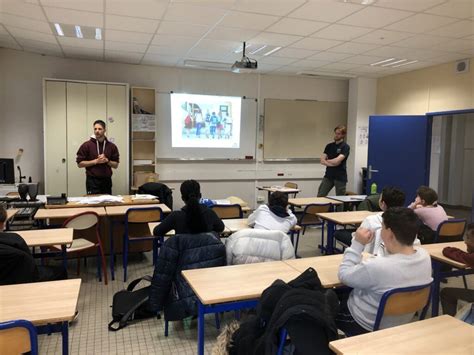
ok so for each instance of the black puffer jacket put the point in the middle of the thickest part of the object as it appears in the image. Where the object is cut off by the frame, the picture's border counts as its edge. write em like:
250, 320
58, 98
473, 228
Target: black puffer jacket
169, 290
163, 192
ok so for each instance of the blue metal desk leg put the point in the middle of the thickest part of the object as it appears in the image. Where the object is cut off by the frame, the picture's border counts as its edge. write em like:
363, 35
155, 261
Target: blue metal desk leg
436, 282
200, 328
111, 251
330, 241
64, 252
65, 335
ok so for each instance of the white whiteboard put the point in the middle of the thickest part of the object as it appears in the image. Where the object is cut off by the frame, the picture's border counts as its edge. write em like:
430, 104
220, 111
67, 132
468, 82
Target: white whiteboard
164, 149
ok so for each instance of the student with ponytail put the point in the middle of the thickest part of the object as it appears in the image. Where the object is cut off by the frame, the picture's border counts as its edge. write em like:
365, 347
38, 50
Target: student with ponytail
193, 218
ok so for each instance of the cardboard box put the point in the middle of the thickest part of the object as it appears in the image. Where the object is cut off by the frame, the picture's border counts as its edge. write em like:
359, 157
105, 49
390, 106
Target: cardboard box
141, 177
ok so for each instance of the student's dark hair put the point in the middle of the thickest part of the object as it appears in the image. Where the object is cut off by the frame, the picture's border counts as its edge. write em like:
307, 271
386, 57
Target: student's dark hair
342, 128
428, 194
393, 196
191, 193
3, 214
403, 222
278, 198
469, 232
102, 123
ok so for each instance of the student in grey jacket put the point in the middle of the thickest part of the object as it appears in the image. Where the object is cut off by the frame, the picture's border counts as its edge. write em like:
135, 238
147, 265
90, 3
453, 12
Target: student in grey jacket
275, 216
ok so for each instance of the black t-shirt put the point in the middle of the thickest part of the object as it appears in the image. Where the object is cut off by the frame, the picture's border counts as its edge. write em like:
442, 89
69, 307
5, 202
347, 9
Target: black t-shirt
332, 151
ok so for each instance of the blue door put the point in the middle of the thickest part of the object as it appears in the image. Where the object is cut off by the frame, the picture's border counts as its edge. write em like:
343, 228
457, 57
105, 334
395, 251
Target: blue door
399, 153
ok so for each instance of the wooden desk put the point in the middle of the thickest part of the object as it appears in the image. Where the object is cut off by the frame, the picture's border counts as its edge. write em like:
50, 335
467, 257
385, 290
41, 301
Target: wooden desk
42, 303
436, 253
127, 201
66, 212
283, 189
122, 210
348, 198
47, 237
237, 224
304, 201
11, 212
227, 288
342, 218
440, 335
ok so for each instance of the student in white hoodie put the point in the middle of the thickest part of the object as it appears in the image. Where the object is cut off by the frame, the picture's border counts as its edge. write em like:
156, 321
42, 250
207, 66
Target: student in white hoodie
275, 216
402, 265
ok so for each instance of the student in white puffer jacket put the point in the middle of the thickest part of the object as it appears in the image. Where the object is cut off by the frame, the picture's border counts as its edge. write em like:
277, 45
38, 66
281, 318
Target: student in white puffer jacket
256, 245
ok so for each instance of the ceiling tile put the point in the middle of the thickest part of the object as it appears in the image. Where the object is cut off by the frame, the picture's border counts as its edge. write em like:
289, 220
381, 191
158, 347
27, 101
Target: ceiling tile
277, 60
296, 26
317, 44
168, 50
3, 31
134, 24
410, 5
388, 52
325, 10
170, 40
126, 47
220, 45
206, 54
44, 51
423, 54
353, 48
456, 45
32, 35
124, 36
369, 69
363, 59
84, 5
20, 8
455, 30
6, 42
231, 34
341, 32
153, 9
266, 68
420, 23
339, 66
293, 53
274, 39
221, 4
40, 47
330, 56
454, 8
309, 64
375, 17
268, 7
119, 56
154, 59
83, 52
182, 29
81, 43
382, 37
448, 57
248, 21
421, 41
25, 23
199, 15
74, 17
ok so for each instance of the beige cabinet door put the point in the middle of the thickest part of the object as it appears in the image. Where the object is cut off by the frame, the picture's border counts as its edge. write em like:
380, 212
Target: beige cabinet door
77, 132
55, 154
117, 133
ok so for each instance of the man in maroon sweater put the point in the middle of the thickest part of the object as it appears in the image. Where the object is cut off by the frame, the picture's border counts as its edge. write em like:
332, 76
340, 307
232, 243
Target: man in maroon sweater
450, 295
98, 155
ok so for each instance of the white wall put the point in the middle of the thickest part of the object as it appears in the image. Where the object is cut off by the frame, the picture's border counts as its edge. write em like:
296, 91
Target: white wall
362, 93
21, 114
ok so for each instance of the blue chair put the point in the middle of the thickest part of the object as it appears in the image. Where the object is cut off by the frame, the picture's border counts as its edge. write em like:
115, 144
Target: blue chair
137, 217
18, 337
228, 211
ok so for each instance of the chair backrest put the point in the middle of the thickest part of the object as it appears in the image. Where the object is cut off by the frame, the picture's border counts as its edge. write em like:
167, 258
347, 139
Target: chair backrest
137, 219
81, 221
291, 185
404, 300
309, 213
18, 337
228, 211
450, 230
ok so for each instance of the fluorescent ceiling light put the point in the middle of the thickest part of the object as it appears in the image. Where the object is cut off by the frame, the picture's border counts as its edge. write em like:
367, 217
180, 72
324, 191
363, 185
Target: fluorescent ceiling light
400, 65
59, 30
383, 61
207, 64
326, 74
98, 34
258, 49
392, 63
78, 31
272, 51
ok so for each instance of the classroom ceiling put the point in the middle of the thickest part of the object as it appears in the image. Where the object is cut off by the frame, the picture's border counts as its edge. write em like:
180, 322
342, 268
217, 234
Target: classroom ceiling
339, 38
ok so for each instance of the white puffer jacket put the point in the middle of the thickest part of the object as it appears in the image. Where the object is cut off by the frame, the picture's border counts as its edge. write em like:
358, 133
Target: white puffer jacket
256, 245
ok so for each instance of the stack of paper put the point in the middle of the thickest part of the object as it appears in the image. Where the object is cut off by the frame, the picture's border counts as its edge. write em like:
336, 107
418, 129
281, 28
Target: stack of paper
143, 197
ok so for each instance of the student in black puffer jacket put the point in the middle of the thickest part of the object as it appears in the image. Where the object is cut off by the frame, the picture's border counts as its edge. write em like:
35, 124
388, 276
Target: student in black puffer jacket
195, 246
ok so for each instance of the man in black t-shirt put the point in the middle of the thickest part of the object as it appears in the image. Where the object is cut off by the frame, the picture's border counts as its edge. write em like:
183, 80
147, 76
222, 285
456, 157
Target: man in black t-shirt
334, 158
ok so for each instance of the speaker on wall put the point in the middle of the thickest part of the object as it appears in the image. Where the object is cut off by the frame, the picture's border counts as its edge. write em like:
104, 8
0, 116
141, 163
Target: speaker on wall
462, 66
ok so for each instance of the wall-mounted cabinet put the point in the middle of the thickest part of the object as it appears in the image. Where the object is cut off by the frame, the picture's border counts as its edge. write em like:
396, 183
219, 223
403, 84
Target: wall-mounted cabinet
143, 127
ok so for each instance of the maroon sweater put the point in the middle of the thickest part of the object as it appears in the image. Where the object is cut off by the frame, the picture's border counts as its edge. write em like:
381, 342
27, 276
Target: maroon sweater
90, 150
459, 255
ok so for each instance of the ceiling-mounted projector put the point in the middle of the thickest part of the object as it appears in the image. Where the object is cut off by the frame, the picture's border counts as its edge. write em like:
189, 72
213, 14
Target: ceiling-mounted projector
245, 64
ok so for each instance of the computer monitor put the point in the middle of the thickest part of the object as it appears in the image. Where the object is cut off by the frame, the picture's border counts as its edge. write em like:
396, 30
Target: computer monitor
7, 171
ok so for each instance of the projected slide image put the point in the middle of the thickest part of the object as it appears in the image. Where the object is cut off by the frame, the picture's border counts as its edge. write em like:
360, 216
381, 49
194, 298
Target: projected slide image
205, 121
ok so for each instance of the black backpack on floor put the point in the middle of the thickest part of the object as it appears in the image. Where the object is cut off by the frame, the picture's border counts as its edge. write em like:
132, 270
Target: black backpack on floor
128, 305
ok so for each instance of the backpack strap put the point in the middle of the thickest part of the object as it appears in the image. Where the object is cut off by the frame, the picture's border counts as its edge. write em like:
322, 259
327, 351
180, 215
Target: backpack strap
122, 323
135, 282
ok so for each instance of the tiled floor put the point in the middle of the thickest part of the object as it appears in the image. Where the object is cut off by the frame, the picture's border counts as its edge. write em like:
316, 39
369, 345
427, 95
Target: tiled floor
90, 335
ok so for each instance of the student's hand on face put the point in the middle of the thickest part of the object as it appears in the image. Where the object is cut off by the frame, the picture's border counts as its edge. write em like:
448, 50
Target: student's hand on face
364, 236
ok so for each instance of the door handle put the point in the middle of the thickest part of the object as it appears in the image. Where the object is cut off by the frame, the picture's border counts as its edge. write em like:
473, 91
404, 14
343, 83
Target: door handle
370, 171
